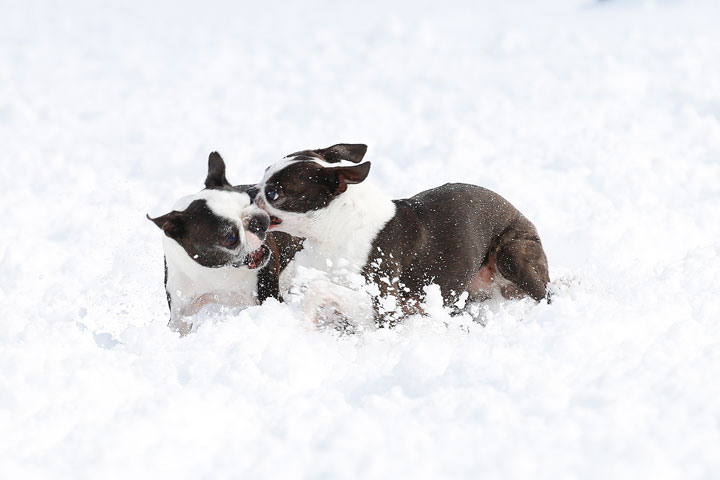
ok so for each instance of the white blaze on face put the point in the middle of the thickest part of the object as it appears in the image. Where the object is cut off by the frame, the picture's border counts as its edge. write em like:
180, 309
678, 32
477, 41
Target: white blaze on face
341, 163
276, 167
279, 165
234, 206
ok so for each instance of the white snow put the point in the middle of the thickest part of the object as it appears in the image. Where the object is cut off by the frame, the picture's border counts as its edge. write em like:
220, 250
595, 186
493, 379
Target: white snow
599, 120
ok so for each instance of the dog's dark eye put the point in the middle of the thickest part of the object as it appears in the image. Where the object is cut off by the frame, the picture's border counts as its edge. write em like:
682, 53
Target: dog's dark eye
271, 194
231, 240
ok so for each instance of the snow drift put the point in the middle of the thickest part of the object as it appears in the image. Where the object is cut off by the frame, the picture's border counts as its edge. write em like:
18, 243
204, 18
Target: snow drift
599, 121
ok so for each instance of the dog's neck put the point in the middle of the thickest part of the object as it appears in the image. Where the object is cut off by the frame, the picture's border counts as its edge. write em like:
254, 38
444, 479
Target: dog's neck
340, 236
188, 279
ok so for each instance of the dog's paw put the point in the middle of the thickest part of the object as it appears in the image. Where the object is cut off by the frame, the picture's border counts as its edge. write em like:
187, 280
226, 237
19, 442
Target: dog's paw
322, 306
181, 325
326, 304
329, 315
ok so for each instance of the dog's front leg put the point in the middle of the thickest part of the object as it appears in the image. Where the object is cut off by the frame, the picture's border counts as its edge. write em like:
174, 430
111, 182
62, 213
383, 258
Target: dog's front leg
324, 302
179, 324
180, 316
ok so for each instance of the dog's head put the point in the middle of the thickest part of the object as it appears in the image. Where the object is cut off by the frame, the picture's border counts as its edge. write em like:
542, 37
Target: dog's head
219, 226
298, 187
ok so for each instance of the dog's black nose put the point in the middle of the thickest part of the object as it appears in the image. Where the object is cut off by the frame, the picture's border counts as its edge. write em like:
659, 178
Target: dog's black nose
253, 191
259, 224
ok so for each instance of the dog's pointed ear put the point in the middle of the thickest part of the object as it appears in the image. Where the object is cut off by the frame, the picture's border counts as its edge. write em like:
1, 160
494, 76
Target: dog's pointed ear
344, 176
352, 152
216, 172
173, 224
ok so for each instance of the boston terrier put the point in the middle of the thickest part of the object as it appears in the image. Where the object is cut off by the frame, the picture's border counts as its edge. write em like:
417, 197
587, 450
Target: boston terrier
217, 251
468, 240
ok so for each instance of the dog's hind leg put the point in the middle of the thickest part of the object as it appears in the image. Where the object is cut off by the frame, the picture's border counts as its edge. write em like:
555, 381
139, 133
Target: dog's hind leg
520, 258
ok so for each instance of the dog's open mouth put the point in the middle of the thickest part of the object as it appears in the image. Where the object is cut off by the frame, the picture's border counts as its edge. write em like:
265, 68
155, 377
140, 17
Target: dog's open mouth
257, 258
274, 221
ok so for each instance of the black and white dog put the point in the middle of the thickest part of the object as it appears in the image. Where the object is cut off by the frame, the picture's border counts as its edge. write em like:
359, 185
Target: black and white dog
217, 251
461, 237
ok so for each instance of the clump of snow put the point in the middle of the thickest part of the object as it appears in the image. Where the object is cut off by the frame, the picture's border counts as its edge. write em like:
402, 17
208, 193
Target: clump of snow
599, 120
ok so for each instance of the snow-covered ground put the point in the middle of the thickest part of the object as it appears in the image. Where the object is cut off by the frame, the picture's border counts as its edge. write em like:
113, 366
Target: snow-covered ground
599, 120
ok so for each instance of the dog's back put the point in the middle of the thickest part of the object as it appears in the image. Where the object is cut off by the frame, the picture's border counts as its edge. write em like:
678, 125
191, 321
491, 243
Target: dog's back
448, 235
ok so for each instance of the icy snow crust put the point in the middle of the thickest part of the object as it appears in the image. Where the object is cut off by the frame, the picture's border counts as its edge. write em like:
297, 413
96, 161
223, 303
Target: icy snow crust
600, 122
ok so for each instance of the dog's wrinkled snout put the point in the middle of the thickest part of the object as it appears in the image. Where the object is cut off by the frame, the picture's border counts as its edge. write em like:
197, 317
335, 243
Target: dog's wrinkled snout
258, 225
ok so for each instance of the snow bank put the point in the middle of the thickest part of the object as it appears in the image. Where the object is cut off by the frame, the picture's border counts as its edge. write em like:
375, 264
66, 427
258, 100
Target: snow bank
599, 120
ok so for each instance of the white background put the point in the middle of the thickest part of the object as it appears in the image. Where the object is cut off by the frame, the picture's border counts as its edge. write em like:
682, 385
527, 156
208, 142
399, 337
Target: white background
599, 121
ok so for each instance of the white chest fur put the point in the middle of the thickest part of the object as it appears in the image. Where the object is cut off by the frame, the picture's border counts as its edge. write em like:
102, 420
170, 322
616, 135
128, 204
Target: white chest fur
339, 237
191, 285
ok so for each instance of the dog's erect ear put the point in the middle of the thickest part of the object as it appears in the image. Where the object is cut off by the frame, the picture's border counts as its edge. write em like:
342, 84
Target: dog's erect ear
352, 152
173, 224
216, 172
344, 176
